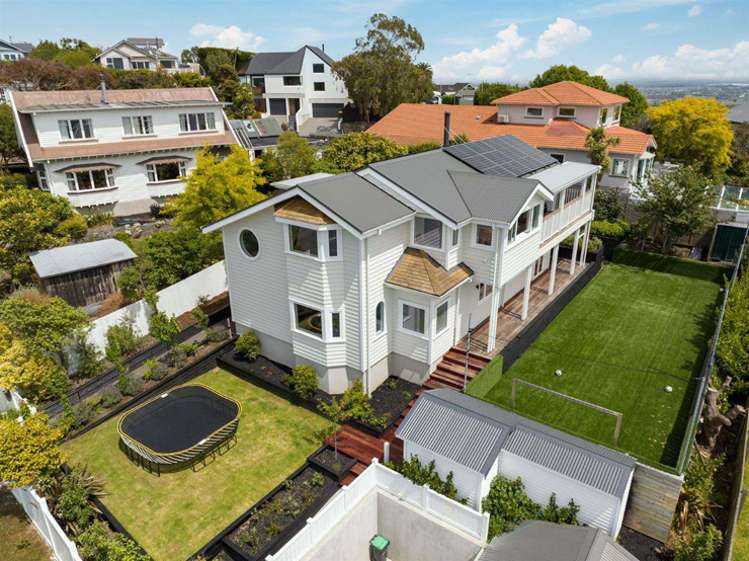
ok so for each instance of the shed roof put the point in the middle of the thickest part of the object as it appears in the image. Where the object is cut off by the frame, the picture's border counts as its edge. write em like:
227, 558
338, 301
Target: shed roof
79, 257
599, 467
558, 177
417, 270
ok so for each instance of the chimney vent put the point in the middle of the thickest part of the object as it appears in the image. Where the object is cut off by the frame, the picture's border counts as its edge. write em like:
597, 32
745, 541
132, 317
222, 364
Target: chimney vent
323, 47
446, 130
103, 89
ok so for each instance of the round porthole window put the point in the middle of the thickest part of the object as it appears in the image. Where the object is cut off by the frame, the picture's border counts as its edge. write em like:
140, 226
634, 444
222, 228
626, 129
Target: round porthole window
249, 243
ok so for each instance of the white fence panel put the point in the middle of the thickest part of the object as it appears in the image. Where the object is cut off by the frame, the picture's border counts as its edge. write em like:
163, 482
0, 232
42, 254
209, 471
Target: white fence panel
174, 300
461, 516
37, 510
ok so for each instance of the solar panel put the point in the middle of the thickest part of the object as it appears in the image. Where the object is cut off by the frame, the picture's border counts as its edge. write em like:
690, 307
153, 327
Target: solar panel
502, 155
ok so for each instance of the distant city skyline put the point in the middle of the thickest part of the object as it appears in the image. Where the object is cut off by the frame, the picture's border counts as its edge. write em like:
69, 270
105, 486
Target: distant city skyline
638, 40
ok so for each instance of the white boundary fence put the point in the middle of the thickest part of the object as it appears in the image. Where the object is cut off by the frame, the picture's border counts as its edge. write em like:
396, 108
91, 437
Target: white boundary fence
174, 300
379, 477
37, 510
13, 400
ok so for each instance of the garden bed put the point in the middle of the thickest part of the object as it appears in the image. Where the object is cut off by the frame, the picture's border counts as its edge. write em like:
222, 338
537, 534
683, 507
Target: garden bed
336, 464
388, 400
277, 517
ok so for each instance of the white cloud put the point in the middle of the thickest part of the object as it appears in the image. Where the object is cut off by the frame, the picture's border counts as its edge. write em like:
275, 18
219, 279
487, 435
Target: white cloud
614, 7
230, 37
560, 34
694, 11
610, 71
652, 26
691, 62
481, 63
618, 59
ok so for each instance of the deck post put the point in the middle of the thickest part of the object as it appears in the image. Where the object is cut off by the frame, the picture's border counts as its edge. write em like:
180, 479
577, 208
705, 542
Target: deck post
575, 243
553, 269
500, 239
527, 292
586, 239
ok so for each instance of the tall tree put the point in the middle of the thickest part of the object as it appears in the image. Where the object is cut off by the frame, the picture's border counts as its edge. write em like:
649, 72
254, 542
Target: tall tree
294, 154
634, 112
676, 203
561, 72
357, 149
9, 147
242, 103
598, 143
217, 188
695, 131
382, 73
486, 92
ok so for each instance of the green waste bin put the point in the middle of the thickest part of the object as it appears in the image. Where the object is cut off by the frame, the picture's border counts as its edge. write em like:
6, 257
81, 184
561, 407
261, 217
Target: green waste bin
378, 548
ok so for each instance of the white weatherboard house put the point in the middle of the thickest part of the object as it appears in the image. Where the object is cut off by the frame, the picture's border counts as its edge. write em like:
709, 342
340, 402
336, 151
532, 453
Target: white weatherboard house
139, 53
377, 272
476, 440
296, 86
118, 150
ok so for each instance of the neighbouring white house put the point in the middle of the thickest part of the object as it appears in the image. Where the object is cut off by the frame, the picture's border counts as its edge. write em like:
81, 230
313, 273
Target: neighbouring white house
142, 53
296, 86
462, 92
555, 119
117, 151
14, 51
379, 272
476, 441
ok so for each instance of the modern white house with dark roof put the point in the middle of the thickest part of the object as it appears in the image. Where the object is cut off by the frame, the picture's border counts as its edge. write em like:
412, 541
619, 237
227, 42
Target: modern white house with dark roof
381, 271
476, 440
296, 86
117, 151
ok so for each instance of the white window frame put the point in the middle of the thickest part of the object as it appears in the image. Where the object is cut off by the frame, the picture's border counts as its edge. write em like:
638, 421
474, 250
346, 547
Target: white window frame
152, 173
71, 178
326, 317
454, 238
144, 123
190, 122
65, 125
604, 115
536, 215
425, 334
627, 164
618, 114
474, 239
315, 84
529, 115
41, 177
241, 248
314, 64
446, 303
538, 266
140, 64
110, 62
384, 327
323, 253
560, 109
428, 247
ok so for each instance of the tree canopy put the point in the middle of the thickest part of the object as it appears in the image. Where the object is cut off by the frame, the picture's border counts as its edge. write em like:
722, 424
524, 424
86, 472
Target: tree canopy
357, 149
598, 145
28, 450
695, 131
486, 92
561, 72
69, 51
381, 73
634, 112
217, 188
294, 155
9, 147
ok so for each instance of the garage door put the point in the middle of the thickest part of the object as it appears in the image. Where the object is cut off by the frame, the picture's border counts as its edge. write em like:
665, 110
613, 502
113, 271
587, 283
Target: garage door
278, 106
326, 109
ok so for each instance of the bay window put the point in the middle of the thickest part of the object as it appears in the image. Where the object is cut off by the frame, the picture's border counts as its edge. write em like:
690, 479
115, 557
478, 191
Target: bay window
137, 126
332, 243
325, 325
441, 319
428, 232
303, 240
75, 129
380, 317
413, 318
194, 122
312, 242
167, 171
87, 180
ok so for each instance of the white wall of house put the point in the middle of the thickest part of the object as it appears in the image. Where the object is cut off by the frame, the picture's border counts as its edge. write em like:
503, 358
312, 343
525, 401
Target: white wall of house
608, 180
585, 115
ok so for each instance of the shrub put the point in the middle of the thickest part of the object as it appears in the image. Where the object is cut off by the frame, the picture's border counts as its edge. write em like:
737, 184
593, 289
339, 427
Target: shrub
422, 474
130, 385
733, 342
72, 506
178, 355
130, 282
84, 412
216, 335
83, 359
699, 480
248, 345
594, 244
507, 505
155, 369
303, 381
617, 229
28, 450
164, 328
110, 397
560, 515
201, 318
97, 543
353, 404
122, 338
698, 545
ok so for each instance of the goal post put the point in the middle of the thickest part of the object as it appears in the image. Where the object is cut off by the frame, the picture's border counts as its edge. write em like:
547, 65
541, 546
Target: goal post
618, 416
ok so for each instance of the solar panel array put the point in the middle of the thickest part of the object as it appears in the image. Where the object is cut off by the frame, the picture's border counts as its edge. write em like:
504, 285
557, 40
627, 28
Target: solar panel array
506, 156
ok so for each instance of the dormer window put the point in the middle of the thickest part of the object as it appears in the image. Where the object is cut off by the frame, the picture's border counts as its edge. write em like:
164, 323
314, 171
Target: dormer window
534, 112
137, 126
194, 122
566, 112
292, 80
76, 129
428, 232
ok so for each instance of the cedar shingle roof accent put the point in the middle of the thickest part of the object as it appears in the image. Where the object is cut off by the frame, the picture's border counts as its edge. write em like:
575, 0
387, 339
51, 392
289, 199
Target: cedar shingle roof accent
562, 93
298, 209
416, 270
411, 123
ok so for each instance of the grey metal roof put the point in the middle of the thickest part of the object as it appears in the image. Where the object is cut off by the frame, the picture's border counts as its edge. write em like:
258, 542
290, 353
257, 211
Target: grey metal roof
356, 200
79, 257
256, 133
289, 183
537, 540
588, 463
559, 177
281, 62
490, 197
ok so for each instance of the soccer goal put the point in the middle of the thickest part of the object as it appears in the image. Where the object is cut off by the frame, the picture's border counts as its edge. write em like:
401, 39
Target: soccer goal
618, 416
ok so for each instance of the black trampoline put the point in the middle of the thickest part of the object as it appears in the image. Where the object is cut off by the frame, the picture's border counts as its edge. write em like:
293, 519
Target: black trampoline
180, 426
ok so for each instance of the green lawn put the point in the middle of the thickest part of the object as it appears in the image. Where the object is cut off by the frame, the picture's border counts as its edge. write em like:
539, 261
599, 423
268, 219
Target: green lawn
19, 540
173, 515
741, 535
641, 324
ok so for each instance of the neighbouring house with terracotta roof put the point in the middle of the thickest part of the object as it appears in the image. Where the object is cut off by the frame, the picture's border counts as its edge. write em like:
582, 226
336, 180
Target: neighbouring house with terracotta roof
382, 271
117, 151
555, 118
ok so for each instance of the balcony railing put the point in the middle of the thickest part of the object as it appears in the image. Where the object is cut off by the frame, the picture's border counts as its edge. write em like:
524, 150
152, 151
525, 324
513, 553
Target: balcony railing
561, 217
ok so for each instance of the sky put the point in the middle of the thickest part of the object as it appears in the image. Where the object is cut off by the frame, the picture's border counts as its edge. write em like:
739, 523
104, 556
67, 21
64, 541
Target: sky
481, 40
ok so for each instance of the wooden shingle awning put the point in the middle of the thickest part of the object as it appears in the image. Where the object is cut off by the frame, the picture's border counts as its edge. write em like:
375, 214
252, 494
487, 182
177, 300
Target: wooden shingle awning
164, 160
87, 167
417, 270
300, 210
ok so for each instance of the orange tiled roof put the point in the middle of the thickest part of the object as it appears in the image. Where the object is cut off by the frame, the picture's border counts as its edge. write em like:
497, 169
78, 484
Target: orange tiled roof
562, 93
411, 123
416, 270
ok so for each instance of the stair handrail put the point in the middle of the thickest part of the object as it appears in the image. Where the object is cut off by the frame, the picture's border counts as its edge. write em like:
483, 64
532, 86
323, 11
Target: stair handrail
468, 352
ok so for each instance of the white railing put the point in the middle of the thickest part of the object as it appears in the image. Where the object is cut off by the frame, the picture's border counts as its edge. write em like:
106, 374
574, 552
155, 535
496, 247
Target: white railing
37, 510
13, 400
379, 477
564, 215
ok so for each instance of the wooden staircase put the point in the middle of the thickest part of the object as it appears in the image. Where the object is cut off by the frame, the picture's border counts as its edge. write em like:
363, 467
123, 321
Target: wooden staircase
451, 371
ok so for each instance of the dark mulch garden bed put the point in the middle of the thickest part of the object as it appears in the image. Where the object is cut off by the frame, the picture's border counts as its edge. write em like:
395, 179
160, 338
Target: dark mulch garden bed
275, 519
337, 465
388, 401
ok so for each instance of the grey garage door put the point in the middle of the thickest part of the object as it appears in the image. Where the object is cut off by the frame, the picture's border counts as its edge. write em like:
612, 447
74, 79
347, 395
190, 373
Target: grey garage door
326, 109
278, 106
